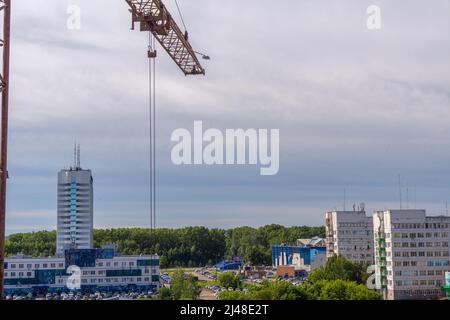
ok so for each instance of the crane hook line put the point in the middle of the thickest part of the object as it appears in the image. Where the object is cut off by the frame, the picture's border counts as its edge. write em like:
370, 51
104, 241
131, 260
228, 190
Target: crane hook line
152, 132
154, 136
181, 15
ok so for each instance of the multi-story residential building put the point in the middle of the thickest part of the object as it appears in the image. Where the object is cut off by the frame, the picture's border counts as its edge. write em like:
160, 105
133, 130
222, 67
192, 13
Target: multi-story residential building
350, 234
412, 254
75, 209
100, 270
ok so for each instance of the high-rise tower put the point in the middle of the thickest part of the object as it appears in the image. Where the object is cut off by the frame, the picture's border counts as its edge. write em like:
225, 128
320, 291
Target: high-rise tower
75, 207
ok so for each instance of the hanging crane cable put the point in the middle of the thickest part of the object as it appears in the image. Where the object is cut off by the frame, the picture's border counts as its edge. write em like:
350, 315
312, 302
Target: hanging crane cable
181, 16
154, 136
152, 128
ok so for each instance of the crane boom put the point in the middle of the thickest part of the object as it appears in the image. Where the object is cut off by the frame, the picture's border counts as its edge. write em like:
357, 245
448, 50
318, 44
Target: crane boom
152, 15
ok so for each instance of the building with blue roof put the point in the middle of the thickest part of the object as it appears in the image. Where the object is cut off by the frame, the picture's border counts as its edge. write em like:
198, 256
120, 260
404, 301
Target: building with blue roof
302, 258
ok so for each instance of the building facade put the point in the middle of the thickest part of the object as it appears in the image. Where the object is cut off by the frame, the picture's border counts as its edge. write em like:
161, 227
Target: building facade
75, 209
350, 234
99, 270
412, 254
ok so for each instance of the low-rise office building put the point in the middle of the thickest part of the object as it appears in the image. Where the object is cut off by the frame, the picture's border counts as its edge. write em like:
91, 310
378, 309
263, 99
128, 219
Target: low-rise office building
412, 254
86, 270
304, 259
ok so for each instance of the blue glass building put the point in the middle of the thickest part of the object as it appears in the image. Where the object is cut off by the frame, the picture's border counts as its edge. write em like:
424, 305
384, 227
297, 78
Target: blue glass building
99, 270
306, 258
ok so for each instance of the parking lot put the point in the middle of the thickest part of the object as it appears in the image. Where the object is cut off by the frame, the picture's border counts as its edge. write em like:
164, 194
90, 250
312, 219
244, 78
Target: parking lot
129, 295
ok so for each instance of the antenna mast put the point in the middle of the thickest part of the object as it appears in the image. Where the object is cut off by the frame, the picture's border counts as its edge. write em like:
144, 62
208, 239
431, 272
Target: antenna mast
78, 157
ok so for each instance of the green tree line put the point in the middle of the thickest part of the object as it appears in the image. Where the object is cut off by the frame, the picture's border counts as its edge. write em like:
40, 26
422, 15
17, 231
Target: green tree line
339, 279
185, 247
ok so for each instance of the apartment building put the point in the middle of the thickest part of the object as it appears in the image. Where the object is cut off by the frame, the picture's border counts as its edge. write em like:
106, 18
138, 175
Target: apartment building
350, 234
411, 254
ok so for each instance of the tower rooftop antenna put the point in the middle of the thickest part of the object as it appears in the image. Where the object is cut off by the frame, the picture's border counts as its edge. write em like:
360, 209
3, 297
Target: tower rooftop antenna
74, 156
78, 157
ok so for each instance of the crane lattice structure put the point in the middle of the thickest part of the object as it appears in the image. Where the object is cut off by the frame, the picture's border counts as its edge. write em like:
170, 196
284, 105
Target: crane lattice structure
153, 17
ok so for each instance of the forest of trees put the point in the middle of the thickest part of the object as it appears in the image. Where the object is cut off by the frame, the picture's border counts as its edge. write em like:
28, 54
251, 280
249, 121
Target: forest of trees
186, 247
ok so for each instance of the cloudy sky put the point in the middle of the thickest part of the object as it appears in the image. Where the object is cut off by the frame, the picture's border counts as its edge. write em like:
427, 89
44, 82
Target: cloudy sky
355, 108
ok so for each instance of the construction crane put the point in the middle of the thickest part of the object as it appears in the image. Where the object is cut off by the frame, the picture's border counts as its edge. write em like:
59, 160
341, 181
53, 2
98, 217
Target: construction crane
153, 17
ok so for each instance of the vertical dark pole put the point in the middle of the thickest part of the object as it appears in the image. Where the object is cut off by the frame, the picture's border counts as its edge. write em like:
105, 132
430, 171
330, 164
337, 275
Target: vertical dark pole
4, 135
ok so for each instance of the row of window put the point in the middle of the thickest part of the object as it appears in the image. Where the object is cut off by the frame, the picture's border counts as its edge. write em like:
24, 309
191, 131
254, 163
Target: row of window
415, 283
354, 248
109, 280
417, 273
358, 256
116, 264
420, 254
438, 244
414, 235
431, 263
28, 266
355, 225
20, 274
439, 225
103, 272
420, 292
356, 232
